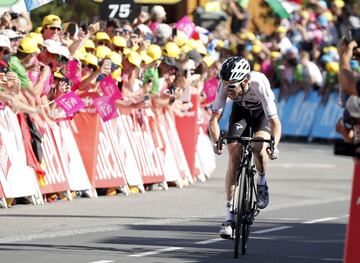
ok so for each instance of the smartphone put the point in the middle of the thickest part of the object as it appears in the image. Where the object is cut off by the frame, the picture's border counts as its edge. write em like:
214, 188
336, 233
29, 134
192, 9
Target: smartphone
171, 90
174, 32
146, 97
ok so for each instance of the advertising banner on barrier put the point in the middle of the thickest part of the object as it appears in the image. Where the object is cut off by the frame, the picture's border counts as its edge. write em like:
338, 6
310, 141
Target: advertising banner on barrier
326, 118
54, 180
97, 151
17, 179
146, 157
109, 168
299, 114
187, 128
70, 157
125, 153
206, 153
352, 252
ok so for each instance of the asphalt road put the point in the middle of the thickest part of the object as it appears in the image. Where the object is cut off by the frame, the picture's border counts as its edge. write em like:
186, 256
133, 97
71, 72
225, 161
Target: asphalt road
305, 222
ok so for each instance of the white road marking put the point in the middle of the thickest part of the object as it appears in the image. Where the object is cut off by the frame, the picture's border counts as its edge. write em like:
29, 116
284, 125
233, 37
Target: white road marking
209, 241
103, 261
155, 252
320, 220
271, 230
303, 165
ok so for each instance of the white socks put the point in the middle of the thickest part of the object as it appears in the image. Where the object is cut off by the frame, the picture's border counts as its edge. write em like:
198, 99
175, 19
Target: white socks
261, 180
228, 209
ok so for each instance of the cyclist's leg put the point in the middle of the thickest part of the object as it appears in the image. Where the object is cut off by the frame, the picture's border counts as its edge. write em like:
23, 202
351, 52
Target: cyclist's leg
261, 130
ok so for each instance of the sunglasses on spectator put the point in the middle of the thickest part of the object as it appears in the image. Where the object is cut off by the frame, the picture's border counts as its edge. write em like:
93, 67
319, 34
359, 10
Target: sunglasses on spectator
118, 49
54, 28
102, 43
92, 67
62, 59
6, 51
192, 72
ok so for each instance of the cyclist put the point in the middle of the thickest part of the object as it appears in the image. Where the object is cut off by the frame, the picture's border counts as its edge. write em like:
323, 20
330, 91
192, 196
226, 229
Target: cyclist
254, 102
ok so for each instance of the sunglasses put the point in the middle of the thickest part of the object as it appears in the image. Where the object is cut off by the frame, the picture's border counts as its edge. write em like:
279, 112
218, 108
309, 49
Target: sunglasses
232, 86
102, 43
6, 51
62, 60
53, 28
92, 67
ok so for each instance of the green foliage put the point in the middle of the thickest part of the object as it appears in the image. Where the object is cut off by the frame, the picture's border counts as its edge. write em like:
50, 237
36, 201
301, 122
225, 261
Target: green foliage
68, 10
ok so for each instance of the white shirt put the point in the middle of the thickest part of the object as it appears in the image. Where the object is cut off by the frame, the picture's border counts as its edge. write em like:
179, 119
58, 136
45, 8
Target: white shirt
259, 95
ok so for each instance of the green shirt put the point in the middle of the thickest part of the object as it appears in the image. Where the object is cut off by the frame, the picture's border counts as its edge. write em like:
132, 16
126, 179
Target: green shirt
152, 73
15, 66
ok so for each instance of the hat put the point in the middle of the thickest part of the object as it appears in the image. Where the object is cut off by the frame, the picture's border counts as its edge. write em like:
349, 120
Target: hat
38, 37
181, 38
55, 47
102, 36
4, 41
163, 32
154, 51
339, 3
119, 41
91, 59
158, 11
51, 21
169, 61
194, 55
134, 58
116, 59
171, 50
353, 106
89, 44
209, 61
28, 45
146, 58
11, 34
281, 29
103, 52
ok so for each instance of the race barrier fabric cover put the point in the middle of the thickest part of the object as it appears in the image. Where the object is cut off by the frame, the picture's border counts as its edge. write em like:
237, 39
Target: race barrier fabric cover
302, 116
352, 252
138, 147
16, 177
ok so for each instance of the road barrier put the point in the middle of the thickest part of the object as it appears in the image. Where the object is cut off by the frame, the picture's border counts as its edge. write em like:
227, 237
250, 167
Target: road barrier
137, 148
352, 252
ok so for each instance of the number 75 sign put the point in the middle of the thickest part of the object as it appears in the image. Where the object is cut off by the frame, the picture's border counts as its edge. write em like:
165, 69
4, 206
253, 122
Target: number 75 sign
123, 10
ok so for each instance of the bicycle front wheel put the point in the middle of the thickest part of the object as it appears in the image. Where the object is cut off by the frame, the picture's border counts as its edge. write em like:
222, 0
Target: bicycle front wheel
240, 209
246, 205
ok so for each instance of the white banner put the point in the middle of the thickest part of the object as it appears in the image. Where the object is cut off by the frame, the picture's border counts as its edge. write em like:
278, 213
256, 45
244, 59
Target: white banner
17, 179
70, 157
205, 153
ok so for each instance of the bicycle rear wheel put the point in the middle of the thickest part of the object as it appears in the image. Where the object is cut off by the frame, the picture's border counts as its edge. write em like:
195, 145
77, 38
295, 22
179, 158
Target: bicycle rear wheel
240, 211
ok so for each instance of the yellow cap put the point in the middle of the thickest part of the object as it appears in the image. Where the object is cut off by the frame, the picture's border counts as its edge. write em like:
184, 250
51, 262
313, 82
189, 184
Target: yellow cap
116, 75
90, 59
339, 3
208, 61
116, 59
38, 30
281, 29
332, 67
181, 38
134, 58
38, 37
154, 51
192, 43
58, 75
28, 45
257, 67
171, 50
201, 48
126, 51
256, 48
146, 58
220, 44
51, 21
102, 36
185, 48
275, 54
80, 53
89, 44
103, 52
119, 41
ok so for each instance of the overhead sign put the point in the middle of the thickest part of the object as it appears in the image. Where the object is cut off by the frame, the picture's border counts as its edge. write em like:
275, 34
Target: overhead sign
123, 10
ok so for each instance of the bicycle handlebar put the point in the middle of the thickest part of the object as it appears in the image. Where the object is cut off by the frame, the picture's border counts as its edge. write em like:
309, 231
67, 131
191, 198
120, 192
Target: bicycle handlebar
247, 140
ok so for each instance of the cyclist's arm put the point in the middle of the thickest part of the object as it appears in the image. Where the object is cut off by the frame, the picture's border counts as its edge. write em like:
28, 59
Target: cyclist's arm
275, 126
214, 128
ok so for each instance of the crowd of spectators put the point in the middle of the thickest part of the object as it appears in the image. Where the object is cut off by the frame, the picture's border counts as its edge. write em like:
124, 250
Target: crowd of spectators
157, 66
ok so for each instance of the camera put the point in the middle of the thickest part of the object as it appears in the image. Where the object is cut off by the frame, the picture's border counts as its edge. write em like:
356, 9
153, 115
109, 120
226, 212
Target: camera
171, 90
4, 69
14, 15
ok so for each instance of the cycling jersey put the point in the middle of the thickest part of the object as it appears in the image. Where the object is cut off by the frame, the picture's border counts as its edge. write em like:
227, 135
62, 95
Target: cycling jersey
259, 95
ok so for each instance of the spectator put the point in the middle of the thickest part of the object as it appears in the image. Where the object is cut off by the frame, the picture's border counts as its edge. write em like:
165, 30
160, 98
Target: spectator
157, 16
51, 27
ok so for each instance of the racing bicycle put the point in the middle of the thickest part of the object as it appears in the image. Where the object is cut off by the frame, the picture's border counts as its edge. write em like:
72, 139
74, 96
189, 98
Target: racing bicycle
244, 200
